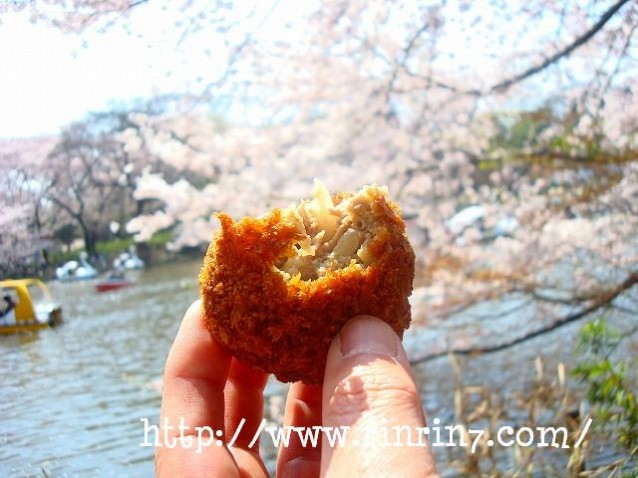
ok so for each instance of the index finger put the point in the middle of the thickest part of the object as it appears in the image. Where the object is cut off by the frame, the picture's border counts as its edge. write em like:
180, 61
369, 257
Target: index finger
193, 396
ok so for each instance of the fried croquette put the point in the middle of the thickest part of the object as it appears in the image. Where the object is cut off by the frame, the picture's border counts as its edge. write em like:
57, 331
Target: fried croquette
278, 288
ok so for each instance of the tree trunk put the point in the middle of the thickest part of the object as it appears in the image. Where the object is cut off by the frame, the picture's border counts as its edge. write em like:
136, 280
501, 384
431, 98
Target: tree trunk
90, 241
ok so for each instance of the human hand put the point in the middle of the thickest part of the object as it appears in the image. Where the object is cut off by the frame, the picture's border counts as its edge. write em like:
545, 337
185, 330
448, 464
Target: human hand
368, 383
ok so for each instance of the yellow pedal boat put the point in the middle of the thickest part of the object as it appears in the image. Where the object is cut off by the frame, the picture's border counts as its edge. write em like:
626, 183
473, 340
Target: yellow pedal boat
27, 304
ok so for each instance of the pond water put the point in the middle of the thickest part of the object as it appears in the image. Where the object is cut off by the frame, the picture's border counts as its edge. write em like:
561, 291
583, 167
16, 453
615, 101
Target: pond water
72, 398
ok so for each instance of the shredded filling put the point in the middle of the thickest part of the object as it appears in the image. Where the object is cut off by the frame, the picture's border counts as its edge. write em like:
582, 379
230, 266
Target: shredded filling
334, 236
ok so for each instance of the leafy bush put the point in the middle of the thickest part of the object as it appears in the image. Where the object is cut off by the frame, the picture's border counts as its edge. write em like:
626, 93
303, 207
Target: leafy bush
611, 387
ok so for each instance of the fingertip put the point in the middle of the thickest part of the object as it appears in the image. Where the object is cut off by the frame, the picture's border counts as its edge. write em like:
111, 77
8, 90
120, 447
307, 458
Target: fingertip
194, 315
194, 308
365, 334
246, 376
194, 353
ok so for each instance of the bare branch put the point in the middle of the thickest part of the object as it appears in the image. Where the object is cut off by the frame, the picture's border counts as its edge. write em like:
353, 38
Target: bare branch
578, 42
556, 57
603, 300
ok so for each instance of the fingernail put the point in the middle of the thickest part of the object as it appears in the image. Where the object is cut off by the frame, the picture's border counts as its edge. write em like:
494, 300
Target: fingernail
368, 335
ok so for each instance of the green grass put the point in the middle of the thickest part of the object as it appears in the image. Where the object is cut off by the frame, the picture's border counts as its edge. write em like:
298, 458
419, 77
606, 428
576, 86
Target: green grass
114, 246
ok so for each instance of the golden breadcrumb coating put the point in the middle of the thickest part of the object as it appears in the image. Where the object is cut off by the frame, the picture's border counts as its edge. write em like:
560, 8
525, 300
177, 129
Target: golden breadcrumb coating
278, 288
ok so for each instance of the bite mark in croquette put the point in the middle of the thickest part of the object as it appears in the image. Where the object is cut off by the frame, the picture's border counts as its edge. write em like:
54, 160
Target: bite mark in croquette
333, 236
278, 288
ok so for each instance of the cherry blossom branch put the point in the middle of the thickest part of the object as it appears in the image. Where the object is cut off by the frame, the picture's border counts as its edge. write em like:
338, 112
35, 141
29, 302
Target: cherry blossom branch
533, 70
578, 42
605, 299
234, 57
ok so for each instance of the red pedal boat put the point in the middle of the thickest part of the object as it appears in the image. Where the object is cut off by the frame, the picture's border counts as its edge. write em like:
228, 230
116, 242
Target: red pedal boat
113, 282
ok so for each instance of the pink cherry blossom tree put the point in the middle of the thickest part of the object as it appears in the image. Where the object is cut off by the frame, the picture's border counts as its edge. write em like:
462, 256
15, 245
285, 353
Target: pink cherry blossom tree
90, 175
379, 92
24, 230
422, 97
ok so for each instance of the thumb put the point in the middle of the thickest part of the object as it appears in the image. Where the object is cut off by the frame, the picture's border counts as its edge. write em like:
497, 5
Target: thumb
369, 389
